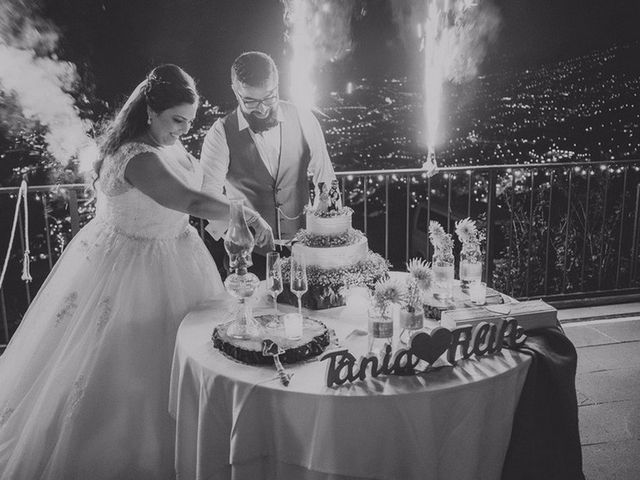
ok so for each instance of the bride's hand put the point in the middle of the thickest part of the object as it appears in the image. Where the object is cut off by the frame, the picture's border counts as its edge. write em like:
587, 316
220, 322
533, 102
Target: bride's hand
263, 233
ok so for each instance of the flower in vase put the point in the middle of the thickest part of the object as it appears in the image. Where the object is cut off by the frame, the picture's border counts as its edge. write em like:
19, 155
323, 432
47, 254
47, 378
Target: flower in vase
420, 271
412, 298
469, 235
385, 293
440, 240
466, 230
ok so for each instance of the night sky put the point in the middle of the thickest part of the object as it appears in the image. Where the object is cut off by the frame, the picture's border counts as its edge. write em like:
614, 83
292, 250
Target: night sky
115, 42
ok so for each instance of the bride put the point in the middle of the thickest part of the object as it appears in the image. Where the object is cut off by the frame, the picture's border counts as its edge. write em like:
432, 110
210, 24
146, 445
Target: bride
84, 382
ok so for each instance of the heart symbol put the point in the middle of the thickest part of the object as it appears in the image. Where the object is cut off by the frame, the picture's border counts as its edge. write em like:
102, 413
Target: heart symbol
429, 347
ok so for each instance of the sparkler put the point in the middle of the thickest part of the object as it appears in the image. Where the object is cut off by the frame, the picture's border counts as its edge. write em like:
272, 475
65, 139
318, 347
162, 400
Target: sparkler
302, 87
349, 88
318, 32
442, 40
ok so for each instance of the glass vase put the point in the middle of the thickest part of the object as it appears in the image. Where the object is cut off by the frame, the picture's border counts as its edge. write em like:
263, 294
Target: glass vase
380, 328
241, 284
443, 274
470, 269
409, 322
238, 240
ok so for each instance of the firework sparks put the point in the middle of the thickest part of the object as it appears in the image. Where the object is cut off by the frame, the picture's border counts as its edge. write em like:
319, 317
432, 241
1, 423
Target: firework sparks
437, 54
318, 32
303, 58
453, 35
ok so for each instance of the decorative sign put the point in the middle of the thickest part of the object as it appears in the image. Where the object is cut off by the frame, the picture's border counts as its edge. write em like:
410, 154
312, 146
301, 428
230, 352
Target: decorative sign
483, 339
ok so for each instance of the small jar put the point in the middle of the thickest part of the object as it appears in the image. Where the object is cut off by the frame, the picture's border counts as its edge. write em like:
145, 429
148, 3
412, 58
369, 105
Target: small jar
470, 269
380, 328
443, 274
409, 321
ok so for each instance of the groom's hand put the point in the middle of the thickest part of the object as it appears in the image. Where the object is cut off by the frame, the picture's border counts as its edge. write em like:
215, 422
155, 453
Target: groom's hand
264, 234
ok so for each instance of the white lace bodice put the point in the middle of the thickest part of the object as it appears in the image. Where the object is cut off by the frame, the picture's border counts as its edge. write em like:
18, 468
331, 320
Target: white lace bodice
128, 210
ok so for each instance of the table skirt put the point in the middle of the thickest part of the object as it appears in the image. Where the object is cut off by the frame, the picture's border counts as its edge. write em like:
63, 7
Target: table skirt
236, 421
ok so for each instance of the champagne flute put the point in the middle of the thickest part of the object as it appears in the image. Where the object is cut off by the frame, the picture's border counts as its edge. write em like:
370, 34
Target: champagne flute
274, 283
298, 280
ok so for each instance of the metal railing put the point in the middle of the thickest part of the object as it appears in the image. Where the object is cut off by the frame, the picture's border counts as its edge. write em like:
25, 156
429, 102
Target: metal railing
567, 209
553, 231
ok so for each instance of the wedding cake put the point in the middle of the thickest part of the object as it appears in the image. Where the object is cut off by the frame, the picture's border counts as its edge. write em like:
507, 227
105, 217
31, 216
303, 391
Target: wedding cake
336, 254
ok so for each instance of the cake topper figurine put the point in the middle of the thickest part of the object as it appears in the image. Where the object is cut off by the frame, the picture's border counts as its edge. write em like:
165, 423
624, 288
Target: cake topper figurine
326, 200
312, 197
334, 197
322, 203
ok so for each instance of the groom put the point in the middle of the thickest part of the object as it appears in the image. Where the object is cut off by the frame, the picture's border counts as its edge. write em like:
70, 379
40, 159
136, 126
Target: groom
263, 150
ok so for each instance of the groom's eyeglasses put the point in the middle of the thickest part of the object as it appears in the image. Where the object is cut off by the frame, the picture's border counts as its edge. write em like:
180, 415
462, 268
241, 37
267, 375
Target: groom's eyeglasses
252, 103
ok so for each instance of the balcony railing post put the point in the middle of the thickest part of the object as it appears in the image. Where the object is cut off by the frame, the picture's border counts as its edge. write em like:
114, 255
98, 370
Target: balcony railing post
491, 214
469, 188
566, 236
548, 235
634, 241
622, 208
45, 211
449, 188
585, 237
386, 217
530, 253
604, 221
365, 189
407, 231
511, 232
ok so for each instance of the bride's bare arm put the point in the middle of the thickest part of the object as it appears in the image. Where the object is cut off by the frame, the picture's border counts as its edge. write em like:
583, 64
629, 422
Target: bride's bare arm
148, 174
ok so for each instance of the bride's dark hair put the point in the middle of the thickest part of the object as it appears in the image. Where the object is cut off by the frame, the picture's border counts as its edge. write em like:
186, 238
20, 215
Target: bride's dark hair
165, 87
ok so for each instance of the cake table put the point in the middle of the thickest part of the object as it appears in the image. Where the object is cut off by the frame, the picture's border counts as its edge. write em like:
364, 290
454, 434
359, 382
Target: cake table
236, 421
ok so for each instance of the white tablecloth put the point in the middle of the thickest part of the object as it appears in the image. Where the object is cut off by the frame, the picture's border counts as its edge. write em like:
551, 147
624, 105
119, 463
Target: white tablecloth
237, 421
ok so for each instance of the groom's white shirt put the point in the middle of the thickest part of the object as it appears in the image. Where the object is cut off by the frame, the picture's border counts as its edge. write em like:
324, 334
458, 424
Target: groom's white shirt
215, 155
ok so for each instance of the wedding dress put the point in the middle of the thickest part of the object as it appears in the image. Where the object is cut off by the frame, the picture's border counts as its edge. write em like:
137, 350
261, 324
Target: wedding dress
84, 382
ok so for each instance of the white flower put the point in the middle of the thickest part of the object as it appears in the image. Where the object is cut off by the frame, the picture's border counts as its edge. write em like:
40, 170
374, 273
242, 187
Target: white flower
385, 293
435, 229
466, 230
438, 237
413, 295
420, 271
469, 236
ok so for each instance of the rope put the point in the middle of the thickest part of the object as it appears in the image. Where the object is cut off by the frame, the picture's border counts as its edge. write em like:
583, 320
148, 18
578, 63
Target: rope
26, 275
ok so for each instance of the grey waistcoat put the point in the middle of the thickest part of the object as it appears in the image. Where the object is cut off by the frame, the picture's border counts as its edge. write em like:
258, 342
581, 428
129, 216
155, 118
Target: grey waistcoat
249, 176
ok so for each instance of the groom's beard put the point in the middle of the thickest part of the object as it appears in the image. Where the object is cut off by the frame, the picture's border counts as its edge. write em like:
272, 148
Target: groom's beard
261, 124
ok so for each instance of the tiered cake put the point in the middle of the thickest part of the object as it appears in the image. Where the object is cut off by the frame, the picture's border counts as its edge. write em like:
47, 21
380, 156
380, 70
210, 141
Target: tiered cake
336, 255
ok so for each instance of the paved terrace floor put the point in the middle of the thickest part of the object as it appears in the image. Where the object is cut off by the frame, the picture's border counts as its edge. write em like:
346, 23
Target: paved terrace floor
607, 339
